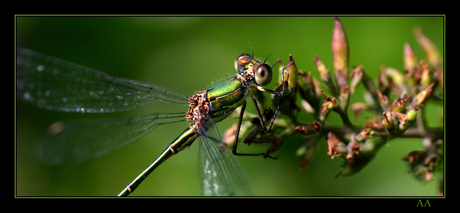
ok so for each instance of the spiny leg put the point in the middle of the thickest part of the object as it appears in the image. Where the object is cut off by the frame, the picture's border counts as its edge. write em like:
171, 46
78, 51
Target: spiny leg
235, 143
266, 130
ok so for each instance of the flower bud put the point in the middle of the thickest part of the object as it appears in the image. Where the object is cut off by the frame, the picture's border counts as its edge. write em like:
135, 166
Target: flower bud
353, 149
383, 100
420, 98
328, 105
358, 107
292, 73
393, 78
406, 120
429, 48
335, 147
426, 78
363, 135
367, 151
323, 71
422, 164
326, 76
402, 119
307, 153
287, 105
356, 76
310, 90
411, 65
387, 121
412, 114
340, 53
316, 126
399, 104
302, 129
410, 60
376, 126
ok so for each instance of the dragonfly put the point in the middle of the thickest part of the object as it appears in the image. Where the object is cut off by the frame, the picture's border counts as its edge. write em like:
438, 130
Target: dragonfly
58, 85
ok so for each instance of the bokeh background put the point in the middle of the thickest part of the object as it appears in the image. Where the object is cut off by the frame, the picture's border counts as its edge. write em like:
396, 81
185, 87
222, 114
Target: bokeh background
186, 54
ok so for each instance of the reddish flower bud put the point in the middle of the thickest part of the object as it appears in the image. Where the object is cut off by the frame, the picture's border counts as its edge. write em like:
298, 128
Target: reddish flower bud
356, 76
363, 135
340, 53
327, 106
411, 66
399, 104
429, 48
358, 107
334, 145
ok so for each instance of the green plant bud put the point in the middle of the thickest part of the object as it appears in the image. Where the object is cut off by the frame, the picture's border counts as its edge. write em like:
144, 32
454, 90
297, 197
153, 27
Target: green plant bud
331, 105
292, 73
426, 78
301, 151
394, 75
420, 98
290, 76
281, 66
412, 115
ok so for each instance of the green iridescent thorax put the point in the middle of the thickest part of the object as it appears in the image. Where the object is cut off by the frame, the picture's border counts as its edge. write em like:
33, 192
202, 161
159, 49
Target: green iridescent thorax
225, 97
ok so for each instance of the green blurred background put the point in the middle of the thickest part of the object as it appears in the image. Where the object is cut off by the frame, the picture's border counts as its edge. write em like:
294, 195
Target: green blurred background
186, 54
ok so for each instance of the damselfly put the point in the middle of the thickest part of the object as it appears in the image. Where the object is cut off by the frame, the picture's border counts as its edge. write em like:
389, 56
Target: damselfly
58, 85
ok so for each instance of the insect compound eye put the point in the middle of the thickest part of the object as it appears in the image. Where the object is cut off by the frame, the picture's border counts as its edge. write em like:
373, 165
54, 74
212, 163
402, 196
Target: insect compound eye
242, 61
263, 74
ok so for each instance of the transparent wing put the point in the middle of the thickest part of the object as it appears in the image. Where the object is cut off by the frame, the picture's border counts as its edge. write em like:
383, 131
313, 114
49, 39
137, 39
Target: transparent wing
221, 175
59, 85
76, 141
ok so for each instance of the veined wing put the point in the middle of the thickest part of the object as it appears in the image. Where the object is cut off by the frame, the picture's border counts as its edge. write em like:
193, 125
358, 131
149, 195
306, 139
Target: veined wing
76, 141
59, 85
221, 175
